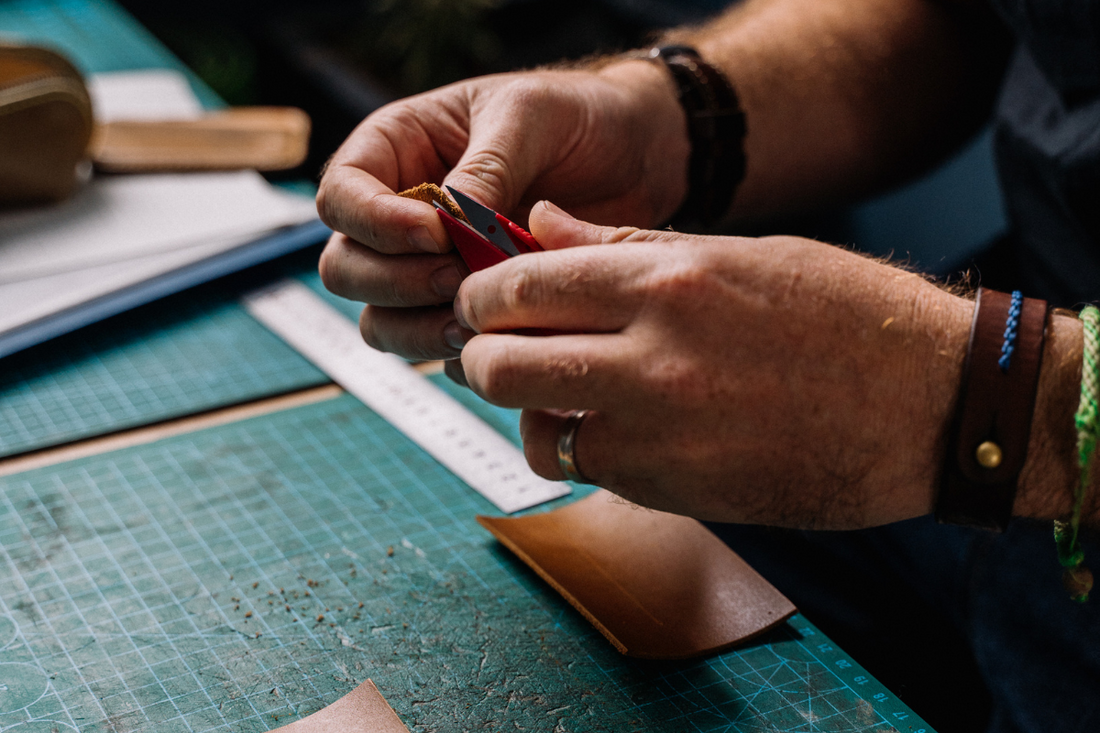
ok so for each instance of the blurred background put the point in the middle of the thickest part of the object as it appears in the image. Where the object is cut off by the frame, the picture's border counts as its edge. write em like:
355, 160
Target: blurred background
341, 59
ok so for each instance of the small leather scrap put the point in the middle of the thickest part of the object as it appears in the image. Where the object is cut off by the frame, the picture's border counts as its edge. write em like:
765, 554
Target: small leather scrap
261, 138
429, 192
363, 710
657, 585
45, 123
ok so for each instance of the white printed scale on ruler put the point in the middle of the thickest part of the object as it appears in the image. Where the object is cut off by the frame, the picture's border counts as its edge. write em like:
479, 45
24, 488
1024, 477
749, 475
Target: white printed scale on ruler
431, 418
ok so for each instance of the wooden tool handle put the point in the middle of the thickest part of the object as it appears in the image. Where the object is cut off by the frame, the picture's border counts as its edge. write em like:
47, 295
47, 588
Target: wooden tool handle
263, 138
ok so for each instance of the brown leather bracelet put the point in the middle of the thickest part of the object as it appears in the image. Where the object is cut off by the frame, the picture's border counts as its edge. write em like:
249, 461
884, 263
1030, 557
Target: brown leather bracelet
988, 440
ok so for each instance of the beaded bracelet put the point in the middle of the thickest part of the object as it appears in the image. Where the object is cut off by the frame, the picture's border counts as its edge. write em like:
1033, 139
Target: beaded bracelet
716, 128
1076, 577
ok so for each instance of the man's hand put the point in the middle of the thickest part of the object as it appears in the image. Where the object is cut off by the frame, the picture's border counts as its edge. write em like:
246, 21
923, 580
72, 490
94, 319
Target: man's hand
612, 145
840, 96
776, 380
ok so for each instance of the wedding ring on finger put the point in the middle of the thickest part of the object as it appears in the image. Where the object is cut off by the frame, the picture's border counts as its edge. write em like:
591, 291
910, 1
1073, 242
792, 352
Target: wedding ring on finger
567, 444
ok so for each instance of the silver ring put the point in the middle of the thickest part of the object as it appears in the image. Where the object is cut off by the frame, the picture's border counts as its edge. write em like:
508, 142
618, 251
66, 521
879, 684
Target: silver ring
567, 444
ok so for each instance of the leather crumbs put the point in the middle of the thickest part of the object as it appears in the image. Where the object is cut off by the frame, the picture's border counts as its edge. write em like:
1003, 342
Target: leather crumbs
429, 192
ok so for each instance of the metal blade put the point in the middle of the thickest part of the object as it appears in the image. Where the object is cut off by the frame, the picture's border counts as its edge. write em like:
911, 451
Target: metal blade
485, 222
439, 207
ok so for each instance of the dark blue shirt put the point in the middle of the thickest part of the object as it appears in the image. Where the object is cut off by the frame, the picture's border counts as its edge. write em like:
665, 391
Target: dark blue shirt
1048, 145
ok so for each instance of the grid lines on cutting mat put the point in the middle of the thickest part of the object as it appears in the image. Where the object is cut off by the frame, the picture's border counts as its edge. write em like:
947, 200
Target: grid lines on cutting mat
189, 353
213, 581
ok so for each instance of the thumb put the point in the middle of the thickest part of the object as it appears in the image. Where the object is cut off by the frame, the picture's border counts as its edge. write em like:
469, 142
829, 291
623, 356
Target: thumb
496, 168
556, 229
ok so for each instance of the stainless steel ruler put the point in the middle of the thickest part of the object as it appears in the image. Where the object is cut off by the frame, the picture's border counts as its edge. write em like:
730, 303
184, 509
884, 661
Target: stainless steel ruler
434, 420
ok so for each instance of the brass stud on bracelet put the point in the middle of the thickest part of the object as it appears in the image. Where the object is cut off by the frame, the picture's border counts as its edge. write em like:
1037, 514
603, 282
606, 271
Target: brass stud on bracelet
988, 455
987, 445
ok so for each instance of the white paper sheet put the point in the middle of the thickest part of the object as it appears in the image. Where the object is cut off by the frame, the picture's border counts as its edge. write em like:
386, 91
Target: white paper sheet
122, 230
120, 217
150, 94
30, 300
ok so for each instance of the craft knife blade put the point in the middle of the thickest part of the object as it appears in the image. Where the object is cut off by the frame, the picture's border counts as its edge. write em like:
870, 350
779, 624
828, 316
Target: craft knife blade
484, 221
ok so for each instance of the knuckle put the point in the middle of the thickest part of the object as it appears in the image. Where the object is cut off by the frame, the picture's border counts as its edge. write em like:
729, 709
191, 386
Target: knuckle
525, 288
330, 268
326, 199
567, 368
497, 378
426, 344
368, 329
686, 280
419, 339
367, 225
468, 308
577, 276
675, 380
388, 291
491, 170
627, 234
527, 96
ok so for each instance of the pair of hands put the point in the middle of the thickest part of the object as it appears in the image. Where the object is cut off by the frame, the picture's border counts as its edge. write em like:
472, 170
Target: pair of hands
774, 380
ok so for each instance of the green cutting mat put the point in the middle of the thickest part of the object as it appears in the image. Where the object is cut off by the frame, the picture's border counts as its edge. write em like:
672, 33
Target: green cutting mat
192, 352
240, 577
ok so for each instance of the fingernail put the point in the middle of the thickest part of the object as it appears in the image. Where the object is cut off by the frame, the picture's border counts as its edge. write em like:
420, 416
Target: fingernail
554, 209
445, 281
455, 336
421, 238
453, 369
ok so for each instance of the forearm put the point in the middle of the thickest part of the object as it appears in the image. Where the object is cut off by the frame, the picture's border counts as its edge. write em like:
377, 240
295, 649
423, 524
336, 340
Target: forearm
845, 96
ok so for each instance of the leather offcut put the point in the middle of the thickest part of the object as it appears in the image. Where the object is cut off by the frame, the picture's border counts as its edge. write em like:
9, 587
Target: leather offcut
45, 125
431, 193
657, 585
363, 710
261, 138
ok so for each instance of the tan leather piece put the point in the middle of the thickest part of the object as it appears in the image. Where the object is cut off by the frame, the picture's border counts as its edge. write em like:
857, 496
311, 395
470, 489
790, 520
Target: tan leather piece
657, 585
429, 192
363, 710
45, 124
263, 138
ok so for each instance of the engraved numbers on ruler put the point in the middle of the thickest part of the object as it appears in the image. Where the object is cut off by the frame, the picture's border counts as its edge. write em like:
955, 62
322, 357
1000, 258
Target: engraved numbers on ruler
434, 420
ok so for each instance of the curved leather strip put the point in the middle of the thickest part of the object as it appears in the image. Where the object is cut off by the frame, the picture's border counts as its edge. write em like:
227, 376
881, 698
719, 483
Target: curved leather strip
994, 405
656, 585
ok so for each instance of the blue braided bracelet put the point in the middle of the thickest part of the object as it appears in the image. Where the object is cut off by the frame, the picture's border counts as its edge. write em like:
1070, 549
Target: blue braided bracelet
1011, 324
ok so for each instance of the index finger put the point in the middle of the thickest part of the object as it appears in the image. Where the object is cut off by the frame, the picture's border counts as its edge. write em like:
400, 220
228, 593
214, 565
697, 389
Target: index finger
353, 202
583, 289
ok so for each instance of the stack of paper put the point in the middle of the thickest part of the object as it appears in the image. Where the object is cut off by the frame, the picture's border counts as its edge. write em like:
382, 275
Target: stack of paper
124, 240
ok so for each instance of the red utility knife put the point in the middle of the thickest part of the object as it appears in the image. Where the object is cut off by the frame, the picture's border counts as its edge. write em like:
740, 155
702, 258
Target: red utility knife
489, 238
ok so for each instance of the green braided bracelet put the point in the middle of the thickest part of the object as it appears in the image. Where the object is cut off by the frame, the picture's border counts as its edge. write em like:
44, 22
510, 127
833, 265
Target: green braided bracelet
1076, 577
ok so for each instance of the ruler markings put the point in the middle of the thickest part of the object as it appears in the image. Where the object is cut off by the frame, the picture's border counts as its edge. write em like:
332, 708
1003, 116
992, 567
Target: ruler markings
431, 418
